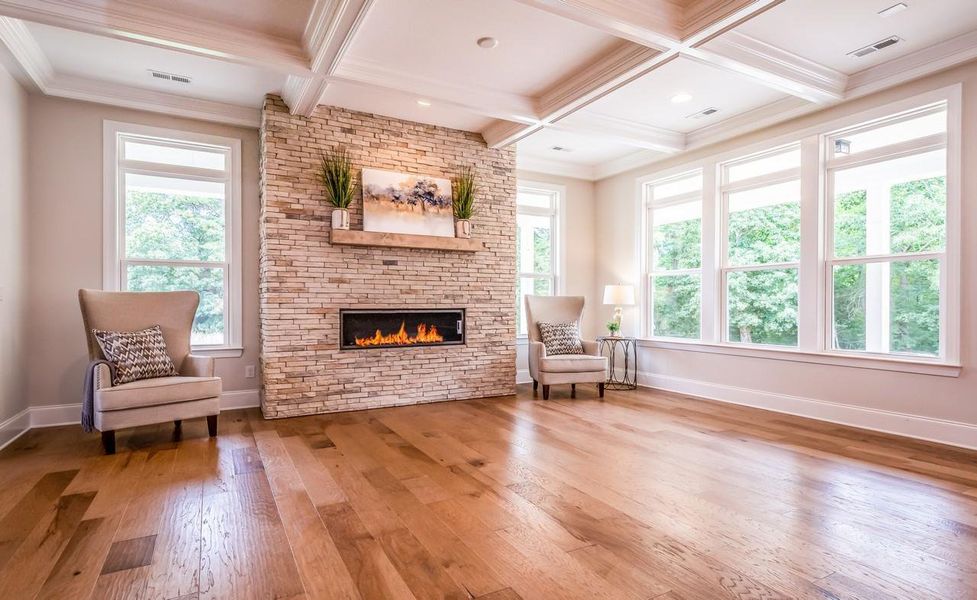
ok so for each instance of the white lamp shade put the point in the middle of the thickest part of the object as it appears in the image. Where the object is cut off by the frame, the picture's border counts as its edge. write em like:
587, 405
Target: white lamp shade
619, 295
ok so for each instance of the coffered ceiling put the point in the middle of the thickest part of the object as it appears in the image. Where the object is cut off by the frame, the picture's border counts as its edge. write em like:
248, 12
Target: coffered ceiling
585, 88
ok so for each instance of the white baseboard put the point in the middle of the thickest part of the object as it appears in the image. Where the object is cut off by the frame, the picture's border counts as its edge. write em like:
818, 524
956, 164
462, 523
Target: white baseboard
523, 376
929, 429
14, 427
240, 399
70, 414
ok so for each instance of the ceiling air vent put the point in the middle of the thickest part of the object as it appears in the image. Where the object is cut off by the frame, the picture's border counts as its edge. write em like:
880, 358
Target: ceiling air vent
879, 45
561, 149
169, 76
703, 113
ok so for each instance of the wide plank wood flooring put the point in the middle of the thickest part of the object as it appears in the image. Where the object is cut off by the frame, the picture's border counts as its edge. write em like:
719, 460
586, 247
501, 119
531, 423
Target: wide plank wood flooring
646, 495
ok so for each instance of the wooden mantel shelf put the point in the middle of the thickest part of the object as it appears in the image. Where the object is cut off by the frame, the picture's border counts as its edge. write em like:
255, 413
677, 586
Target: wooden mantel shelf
349, 237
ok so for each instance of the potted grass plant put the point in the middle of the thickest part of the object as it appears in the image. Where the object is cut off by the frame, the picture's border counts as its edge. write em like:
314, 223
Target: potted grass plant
463, 203
336, 175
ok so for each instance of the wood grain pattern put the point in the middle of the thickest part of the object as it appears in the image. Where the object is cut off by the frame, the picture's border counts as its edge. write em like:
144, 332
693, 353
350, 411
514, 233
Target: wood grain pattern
129, 554
351, 237
646, 495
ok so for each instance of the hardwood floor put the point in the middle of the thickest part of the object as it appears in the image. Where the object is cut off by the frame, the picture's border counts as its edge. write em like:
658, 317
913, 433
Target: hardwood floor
645, 495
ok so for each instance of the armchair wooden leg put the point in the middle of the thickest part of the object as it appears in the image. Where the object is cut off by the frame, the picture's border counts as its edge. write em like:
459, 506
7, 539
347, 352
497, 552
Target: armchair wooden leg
177, 429
573, 390
108, 441
212, 425
535, 386
546, 392
600, 389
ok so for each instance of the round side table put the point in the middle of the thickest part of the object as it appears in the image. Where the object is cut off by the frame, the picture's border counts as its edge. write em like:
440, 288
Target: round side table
620, 352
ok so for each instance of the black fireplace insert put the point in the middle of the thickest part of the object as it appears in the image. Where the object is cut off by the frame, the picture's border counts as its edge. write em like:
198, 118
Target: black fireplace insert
400, 328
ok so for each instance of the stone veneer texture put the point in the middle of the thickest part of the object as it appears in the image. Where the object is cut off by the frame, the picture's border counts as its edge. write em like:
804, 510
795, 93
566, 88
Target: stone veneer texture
305, 280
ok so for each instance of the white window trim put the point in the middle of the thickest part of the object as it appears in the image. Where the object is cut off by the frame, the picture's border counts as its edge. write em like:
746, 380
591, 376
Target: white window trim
112, 220
648, 273
557, 216
812, 311
725, 189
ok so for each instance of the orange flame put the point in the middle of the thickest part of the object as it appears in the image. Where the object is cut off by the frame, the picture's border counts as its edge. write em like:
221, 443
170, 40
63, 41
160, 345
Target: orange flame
424, 336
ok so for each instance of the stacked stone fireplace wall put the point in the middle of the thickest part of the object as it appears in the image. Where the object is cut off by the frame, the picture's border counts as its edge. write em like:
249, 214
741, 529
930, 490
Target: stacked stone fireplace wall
304, 280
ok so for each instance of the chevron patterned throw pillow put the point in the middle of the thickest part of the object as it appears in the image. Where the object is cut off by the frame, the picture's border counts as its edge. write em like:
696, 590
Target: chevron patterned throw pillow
560, 338
136, 354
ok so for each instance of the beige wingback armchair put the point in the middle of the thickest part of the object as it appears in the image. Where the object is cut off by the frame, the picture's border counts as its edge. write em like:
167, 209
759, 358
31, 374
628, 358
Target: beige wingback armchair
589, 367
194, 393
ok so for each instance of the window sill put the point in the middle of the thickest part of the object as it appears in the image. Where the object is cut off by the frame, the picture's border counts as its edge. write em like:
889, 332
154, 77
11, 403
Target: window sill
902, 365
218, 351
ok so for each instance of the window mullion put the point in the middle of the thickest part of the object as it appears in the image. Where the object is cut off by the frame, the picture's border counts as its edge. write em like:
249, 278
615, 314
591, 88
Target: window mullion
710, 319
810, 312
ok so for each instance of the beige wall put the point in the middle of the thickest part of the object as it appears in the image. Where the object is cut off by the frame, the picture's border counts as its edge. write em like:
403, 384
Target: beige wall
13, 246
579, 241
953, 399
65, 231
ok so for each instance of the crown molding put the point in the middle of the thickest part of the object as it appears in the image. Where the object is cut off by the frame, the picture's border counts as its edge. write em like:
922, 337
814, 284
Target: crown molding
916, 65
931, 59
329, 32
554, 167
751, 120
28, 54
627, 162
125, 96
163, 28
26, 51
482, 101
772, 67
632, 133
764, 116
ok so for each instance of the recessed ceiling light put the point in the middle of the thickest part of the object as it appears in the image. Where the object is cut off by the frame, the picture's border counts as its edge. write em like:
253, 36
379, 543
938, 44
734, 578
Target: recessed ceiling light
561, 149
681, 98
423, 103
487, 42
895, 8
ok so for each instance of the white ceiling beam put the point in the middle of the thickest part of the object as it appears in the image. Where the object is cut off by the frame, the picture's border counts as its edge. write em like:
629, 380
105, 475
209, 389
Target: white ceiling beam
164, 29
482, 101
625, 63
772, 67
329, 32
622, 65
624, 131
940, 56
503, 133
652, 23
732, 51
629, 60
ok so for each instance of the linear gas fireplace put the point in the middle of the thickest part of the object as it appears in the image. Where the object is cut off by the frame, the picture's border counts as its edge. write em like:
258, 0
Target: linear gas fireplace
399, 328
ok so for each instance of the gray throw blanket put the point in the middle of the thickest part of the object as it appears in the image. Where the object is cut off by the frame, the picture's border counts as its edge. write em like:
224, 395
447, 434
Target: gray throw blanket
88, 402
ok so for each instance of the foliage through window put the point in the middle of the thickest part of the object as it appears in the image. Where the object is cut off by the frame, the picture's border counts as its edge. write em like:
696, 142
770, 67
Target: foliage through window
889, 233
842, 241
174, 201
762, 216
674, 279
536, 246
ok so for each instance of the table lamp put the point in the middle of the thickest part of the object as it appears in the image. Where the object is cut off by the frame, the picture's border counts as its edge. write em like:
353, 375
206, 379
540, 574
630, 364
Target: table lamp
619, 296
